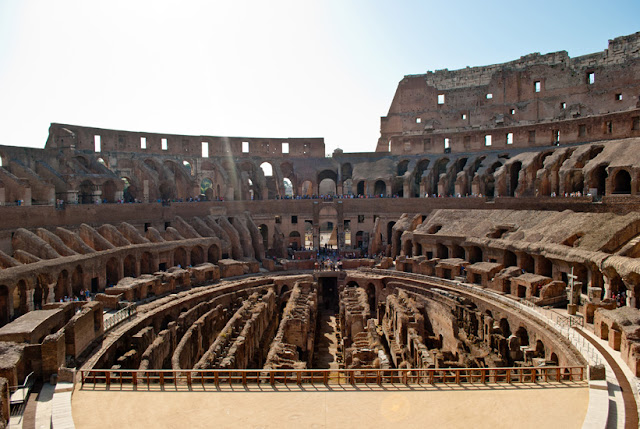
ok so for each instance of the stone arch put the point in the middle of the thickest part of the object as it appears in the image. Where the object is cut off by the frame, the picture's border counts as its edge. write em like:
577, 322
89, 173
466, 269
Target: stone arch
439, 168
197, 256
527, 263
380, 188
112, 272
510, 259
267, 168
129, 265
77, 280
87, 192
360, 188
327, 186
130, 190
41, 290
554, 358
598, 179
407, 248
514, 175
475, 254
181, 179
206, 188
213, 254
544, 267
540, 349
109, 189
523, 335
402, 167
167, 190
62, 285
147, 265
288, 187
307, 188
622, 182
504, 327
390, 226
347, 171
5, 310
421, 167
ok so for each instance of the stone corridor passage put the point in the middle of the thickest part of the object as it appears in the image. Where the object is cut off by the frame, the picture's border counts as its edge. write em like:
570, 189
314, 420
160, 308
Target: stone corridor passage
327, 354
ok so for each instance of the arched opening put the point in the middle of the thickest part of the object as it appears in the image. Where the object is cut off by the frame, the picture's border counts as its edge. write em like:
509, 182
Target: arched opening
5, 311
130, 192
380, 188
622, 182
523, 335
457, 251
514, 174
327, 187
109, 191
101, 161
390, 226
545, 268
442, 251
599, 179
264, 232
307, 188
347, 171
62, 285
402, 168
87, 191
554, 358
422, 166
77, 281
20, 306
359, 239
505, 328
288, 187
371, 297
490, 187
510, 259
407, 248
213, 254
328, 235
360, 188
475, 254
130, 266
294, 240
540, 350
197, 256
147, 265
167, 191
180, 257
41, 291
267, 169
206, 188
527, 263
111, 270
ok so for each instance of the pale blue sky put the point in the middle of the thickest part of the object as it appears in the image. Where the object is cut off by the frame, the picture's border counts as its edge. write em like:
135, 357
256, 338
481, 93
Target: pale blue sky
262, 68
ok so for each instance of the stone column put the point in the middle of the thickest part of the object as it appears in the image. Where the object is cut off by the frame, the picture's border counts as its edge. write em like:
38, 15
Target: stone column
52, 293
96, 197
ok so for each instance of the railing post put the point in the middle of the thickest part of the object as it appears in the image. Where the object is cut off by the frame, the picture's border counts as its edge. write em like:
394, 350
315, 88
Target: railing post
134, 379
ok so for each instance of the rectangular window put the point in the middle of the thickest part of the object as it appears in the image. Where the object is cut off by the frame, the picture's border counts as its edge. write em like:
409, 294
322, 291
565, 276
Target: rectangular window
285, 147
407, 146
245, 147
537, 86
360, 218
447, 143
464, 116
509, 138
635, 123
205, 149
556, 136
426, 144
591, 78
467, 142
165, 145
487, 140
143, 142
582, 130
608, 127
97, 143
619, 97
532, 136
512, 111
563, 105
440, 98
294, 219
278, 219
418, 120
489, 96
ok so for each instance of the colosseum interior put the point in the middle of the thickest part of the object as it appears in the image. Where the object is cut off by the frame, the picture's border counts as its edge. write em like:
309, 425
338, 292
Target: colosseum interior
492, 237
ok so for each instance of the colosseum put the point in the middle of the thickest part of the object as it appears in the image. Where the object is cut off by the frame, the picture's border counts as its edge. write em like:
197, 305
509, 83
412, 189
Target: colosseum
477, 269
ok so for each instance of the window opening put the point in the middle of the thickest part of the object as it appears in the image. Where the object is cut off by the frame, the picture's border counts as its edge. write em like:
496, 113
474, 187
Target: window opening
143, 142
97, 143
487, 140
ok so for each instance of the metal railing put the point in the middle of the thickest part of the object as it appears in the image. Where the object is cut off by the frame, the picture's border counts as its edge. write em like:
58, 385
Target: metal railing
424, 376
120, 316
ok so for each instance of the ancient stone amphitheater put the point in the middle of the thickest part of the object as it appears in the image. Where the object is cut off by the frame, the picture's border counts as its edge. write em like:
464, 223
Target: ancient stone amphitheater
490, 241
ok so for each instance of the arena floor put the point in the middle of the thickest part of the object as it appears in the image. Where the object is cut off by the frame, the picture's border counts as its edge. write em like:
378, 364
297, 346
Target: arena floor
490, 406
